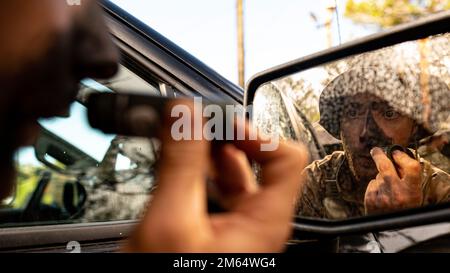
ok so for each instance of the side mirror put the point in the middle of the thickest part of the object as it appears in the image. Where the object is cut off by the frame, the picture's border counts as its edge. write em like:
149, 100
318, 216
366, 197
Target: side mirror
299, 87
74, 197
54, 194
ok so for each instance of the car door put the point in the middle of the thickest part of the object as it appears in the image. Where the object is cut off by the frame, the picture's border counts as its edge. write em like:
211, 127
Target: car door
82, 191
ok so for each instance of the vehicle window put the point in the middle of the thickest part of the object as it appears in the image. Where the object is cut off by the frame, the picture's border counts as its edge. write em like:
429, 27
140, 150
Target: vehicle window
74, 173
395, 98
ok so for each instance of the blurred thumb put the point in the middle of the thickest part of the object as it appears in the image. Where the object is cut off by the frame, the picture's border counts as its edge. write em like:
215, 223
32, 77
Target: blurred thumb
184, 160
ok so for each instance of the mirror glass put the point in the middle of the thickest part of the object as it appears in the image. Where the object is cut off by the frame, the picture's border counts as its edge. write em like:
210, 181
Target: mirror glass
396, 99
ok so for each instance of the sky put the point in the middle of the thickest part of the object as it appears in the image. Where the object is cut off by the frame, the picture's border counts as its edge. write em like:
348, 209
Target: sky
275, 31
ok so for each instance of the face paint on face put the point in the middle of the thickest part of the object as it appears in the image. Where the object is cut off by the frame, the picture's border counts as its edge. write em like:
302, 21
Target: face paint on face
360, 132
358, 154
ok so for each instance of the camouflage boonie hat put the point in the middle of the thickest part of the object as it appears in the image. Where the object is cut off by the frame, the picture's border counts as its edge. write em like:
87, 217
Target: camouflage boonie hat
424, 98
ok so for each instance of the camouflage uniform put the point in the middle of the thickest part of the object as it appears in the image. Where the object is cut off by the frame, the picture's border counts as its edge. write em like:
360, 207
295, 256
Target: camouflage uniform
329, 190
438, 158
435, 157
115, 195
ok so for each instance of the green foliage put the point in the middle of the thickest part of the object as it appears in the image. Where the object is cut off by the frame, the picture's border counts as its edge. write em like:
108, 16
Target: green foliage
303, 95
387, 13
27, 179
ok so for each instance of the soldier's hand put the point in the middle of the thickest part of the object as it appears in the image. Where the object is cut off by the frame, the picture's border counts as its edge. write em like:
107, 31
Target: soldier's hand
258, 217
391, 191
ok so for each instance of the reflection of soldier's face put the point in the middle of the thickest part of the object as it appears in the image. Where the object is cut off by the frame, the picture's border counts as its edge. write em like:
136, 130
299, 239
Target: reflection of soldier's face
369, 122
